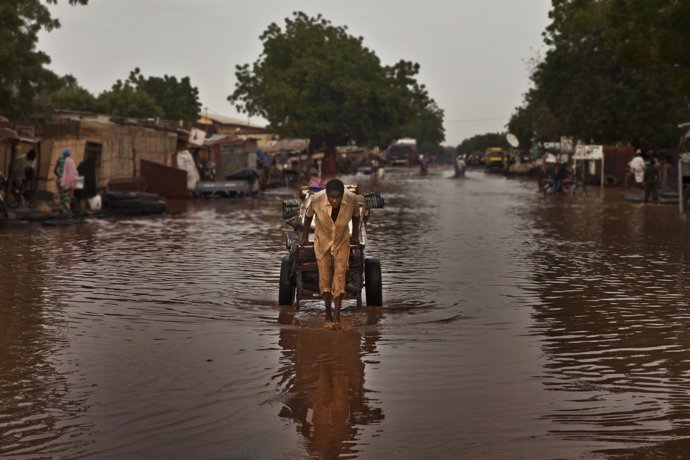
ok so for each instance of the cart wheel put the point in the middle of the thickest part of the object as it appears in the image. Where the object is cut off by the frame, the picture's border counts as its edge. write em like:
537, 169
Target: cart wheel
286, 289
372, 281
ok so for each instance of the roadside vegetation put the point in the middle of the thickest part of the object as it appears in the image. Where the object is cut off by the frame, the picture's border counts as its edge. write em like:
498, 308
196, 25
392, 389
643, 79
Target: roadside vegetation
316, 80
313, 80
614, 71
27, 85
481, 142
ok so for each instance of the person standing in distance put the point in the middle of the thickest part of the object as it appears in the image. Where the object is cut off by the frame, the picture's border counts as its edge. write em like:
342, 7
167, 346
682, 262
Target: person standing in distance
334, 208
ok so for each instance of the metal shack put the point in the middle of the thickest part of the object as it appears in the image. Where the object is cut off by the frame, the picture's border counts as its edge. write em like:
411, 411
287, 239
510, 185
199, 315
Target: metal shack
228, 153
117, 144
19, 148
606, 165
219, 124
291, 160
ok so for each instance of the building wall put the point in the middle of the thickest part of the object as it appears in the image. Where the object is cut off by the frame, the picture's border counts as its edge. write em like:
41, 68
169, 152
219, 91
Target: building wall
122, 149
5, 156
616, 161
232, 156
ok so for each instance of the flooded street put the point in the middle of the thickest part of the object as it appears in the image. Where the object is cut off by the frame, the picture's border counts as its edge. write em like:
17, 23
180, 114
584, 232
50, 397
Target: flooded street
513, 326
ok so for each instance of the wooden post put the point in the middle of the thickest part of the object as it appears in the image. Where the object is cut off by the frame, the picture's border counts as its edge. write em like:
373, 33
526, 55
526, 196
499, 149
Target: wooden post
664, 176
602, 168
37, 176
681, 197
10, 168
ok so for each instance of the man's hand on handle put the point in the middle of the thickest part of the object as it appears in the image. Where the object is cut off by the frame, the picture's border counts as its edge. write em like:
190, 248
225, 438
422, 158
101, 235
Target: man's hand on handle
304, 238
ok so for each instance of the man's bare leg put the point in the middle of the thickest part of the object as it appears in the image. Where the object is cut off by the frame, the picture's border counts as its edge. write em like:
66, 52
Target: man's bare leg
338, 300
327, 297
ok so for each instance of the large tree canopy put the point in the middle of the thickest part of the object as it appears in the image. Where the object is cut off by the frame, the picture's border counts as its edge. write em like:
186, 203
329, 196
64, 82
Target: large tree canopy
178, 100
138, 96
126, 100
22, 67
26, 84
315, 80
481, 142
66, 93
607, 78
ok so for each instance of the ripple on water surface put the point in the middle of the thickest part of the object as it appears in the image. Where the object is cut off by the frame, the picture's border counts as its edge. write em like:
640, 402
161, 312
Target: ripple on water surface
514, 325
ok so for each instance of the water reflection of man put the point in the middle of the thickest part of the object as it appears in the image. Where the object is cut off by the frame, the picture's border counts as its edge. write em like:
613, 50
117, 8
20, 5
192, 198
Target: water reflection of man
325, 393
334, 208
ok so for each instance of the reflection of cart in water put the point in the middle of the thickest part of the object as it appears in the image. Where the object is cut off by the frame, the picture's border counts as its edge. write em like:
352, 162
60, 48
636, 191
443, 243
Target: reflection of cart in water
299, 274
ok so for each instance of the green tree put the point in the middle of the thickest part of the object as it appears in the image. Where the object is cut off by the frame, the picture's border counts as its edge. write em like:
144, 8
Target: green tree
590, 86
315, 80
656, 34
534, 121
66, 93
135, 97
419, 115
23, 75
178, 100
125, 100
482, 142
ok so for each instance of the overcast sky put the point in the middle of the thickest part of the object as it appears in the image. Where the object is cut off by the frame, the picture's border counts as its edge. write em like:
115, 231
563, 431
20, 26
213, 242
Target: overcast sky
473, 53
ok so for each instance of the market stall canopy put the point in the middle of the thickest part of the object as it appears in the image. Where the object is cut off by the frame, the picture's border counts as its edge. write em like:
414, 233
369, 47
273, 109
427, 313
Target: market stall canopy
287, 146
588, 152
8, 133
220, 139
211, 118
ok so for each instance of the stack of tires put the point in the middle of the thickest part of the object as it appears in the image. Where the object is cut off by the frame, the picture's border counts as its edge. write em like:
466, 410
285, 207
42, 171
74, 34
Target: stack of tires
133, 203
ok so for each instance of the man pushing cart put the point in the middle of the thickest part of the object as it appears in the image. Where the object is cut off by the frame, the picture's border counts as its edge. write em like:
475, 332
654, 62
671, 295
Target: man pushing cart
334, 267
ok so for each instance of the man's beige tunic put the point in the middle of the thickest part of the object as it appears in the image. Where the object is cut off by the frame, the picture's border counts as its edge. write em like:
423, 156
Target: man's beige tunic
332, 239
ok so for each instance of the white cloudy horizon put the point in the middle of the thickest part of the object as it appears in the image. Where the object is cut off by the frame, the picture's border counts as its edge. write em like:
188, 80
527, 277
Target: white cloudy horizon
473, 53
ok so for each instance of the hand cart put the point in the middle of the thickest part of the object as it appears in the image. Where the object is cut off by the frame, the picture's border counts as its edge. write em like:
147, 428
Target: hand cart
299, 273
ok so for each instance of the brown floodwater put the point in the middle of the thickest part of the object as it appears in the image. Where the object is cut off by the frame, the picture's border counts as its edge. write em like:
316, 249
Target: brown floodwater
514, 326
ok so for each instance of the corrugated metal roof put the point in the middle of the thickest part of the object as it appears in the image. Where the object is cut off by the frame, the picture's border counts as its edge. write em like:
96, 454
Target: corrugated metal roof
8, 133
287, 146
209, 118
220, 138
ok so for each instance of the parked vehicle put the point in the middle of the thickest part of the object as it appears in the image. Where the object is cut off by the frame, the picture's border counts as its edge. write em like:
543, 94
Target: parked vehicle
402, 152
493, 158
243, 182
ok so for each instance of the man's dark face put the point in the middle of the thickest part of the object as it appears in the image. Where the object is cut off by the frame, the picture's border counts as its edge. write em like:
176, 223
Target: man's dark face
334, 198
